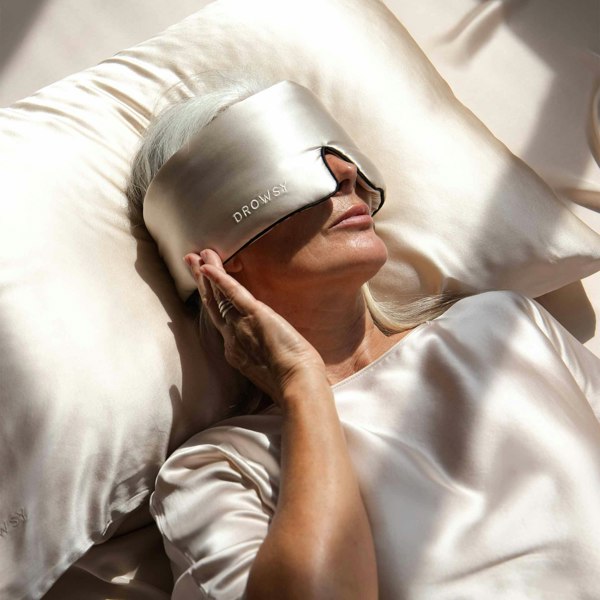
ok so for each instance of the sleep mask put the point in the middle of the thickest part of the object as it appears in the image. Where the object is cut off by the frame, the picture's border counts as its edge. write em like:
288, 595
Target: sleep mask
257, 163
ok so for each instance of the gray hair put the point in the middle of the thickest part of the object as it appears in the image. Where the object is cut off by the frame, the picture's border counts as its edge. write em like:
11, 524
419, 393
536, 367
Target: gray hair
179, 122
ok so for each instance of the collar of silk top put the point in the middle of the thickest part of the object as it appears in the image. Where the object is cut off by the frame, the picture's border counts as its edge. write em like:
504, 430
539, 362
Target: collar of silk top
256, 164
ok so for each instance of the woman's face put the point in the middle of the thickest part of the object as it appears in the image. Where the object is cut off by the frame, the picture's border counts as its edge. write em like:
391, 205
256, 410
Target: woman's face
324, 243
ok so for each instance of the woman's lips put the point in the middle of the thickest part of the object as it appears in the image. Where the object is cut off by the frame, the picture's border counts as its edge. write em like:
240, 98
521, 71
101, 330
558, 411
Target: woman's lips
358, 214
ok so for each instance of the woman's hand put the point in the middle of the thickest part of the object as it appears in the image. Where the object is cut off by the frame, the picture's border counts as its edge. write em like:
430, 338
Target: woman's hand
261, 344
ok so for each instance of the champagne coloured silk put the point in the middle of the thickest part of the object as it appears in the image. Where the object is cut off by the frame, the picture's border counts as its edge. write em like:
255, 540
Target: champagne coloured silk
476, 445
253, 166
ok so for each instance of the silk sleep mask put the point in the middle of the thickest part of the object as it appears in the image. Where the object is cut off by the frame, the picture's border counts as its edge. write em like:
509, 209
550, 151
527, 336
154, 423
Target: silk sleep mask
259, 162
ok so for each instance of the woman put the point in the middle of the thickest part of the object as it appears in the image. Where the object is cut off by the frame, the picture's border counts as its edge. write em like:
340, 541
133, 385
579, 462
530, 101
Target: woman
415, 461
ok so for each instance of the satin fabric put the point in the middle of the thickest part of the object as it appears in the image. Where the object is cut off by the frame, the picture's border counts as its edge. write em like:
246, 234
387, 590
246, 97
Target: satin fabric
111, 370
476, 442
256, 164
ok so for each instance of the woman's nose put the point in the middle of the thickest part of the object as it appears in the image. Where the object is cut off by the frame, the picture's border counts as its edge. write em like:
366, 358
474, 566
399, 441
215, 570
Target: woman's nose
345, 172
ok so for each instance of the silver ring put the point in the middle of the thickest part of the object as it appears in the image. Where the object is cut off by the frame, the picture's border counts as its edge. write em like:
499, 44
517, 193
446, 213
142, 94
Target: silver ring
224, 307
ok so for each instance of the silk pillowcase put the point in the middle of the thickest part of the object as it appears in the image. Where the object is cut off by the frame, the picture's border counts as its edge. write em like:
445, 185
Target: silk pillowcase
102, 371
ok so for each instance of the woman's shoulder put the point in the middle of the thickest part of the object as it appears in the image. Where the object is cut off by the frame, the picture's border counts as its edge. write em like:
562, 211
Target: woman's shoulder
499, 316
515, 321
494, 307
252, 438
240, 453
503, 300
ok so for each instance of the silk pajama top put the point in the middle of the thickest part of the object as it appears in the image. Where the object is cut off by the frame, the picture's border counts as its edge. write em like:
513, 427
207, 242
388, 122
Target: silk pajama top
476, 443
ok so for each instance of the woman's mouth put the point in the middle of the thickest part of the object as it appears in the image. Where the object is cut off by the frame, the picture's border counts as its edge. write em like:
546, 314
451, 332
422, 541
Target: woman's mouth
356, 215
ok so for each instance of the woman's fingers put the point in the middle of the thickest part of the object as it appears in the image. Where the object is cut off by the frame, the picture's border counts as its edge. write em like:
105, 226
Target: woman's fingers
194, 262
210, 257
211, 304
223, 292
205, 287
223, 303
225, 286
229, 289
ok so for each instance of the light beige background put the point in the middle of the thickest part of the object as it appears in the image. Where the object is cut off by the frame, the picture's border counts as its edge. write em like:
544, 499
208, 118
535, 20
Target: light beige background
42, 41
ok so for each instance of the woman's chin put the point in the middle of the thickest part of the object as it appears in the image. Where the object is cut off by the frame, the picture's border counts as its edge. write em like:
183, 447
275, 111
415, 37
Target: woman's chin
361, 261
368, 250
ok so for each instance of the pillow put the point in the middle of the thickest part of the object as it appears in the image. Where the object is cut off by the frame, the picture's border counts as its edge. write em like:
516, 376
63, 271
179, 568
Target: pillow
101, 373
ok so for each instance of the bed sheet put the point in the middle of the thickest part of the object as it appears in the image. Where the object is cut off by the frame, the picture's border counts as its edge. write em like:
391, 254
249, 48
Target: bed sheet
132, 565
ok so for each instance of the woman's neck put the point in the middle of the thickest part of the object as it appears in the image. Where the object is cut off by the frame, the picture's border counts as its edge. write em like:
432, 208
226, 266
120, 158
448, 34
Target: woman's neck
340, 328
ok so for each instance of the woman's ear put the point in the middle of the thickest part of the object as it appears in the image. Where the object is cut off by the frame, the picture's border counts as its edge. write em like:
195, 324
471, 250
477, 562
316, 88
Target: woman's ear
233, 265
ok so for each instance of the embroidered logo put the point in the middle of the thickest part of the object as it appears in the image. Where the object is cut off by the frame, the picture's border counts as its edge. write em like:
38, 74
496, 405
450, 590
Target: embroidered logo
259, 202
14, 520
